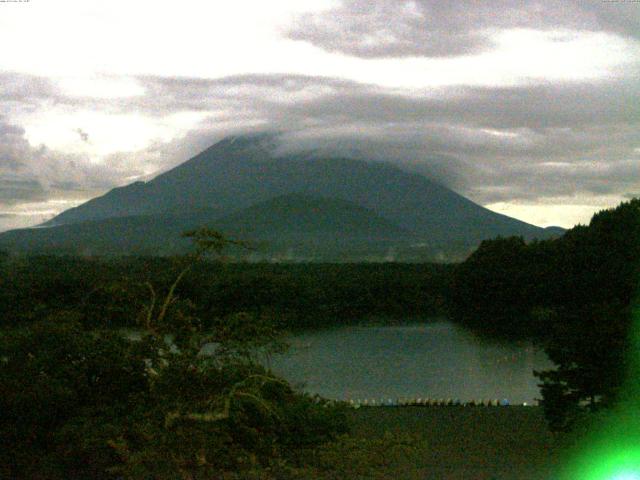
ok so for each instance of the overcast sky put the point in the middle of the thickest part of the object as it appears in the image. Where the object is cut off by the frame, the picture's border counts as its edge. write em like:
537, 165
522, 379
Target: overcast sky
529, 108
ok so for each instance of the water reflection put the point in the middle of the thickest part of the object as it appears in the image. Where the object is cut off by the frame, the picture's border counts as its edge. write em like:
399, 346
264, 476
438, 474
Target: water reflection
437, 360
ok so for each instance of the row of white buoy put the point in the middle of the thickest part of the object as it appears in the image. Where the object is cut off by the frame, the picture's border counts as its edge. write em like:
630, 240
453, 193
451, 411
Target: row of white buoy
427, 402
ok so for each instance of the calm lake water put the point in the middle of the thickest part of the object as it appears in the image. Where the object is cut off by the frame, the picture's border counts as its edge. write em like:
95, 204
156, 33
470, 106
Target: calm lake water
435, 360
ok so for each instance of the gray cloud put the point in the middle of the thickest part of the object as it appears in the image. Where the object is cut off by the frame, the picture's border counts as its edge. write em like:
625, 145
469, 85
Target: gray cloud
37, 174
278, 97
493, 144
432, 28
17, 190
27, 90
500, 144
529, 142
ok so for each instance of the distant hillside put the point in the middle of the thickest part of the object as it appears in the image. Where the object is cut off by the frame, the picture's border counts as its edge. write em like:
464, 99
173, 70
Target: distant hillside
241, 185
304, 216
315, 227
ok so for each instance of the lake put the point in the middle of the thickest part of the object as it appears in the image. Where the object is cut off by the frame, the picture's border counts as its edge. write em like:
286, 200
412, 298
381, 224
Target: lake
434, 360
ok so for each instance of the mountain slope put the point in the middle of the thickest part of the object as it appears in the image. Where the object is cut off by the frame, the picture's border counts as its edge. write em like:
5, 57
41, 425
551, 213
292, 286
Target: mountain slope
226, 181
240, 171
304, 216
326, 229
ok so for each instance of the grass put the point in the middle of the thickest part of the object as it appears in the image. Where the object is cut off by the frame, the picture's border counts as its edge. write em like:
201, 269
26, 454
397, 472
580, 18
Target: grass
441, 443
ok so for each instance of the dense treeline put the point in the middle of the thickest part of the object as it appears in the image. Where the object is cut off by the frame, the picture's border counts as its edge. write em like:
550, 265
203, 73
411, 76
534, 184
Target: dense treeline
86, 403
508, 288
574, 294
108, 292
82, 399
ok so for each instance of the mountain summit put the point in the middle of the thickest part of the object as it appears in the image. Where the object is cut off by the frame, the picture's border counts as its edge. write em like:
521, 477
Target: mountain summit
325, 208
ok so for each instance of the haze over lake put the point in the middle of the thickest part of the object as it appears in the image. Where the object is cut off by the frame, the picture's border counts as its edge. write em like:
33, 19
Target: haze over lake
436, 360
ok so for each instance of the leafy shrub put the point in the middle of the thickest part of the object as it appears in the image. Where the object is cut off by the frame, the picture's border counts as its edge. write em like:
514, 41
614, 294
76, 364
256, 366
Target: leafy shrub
83, 404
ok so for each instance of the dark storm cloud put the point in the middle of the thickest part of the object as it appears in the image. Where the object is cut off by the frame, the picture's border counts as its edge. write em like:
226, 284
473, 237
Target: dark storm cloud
433, 28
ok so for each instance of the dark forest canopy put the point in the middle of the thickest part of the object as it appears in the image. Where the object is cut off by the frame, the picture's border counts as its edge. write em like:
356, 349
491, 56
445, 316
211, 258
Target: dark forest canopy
573, 294
509, 286
109, 292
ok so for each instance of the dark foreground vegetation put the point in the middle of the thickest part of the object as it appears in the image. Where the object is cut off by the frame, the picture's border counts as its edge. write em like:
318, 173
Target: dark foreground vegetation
447, 443
89, 405
78, 399
112, 292
574, 295
94, 404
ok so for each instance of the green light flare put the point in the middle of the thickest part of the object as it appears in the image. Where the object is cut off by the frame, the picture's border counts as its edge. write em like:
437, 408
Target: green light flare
611, 451
614, 464
626, 476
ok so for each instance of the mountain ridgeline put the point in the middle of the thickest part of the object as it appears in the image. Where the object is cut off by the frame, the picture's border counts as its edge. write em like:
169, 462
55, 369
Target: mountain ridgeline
293, 207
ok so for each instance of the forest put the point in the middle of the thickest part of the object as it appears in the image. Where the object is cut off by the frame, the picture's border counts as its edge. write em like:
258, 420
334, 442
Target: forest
79, 399
575, 295
108, 292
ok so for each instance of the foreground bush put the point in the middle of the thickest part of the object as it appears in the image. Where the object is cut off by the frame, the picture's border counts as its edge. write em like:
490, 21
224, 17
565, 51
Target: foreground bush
79, 404
84, 404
